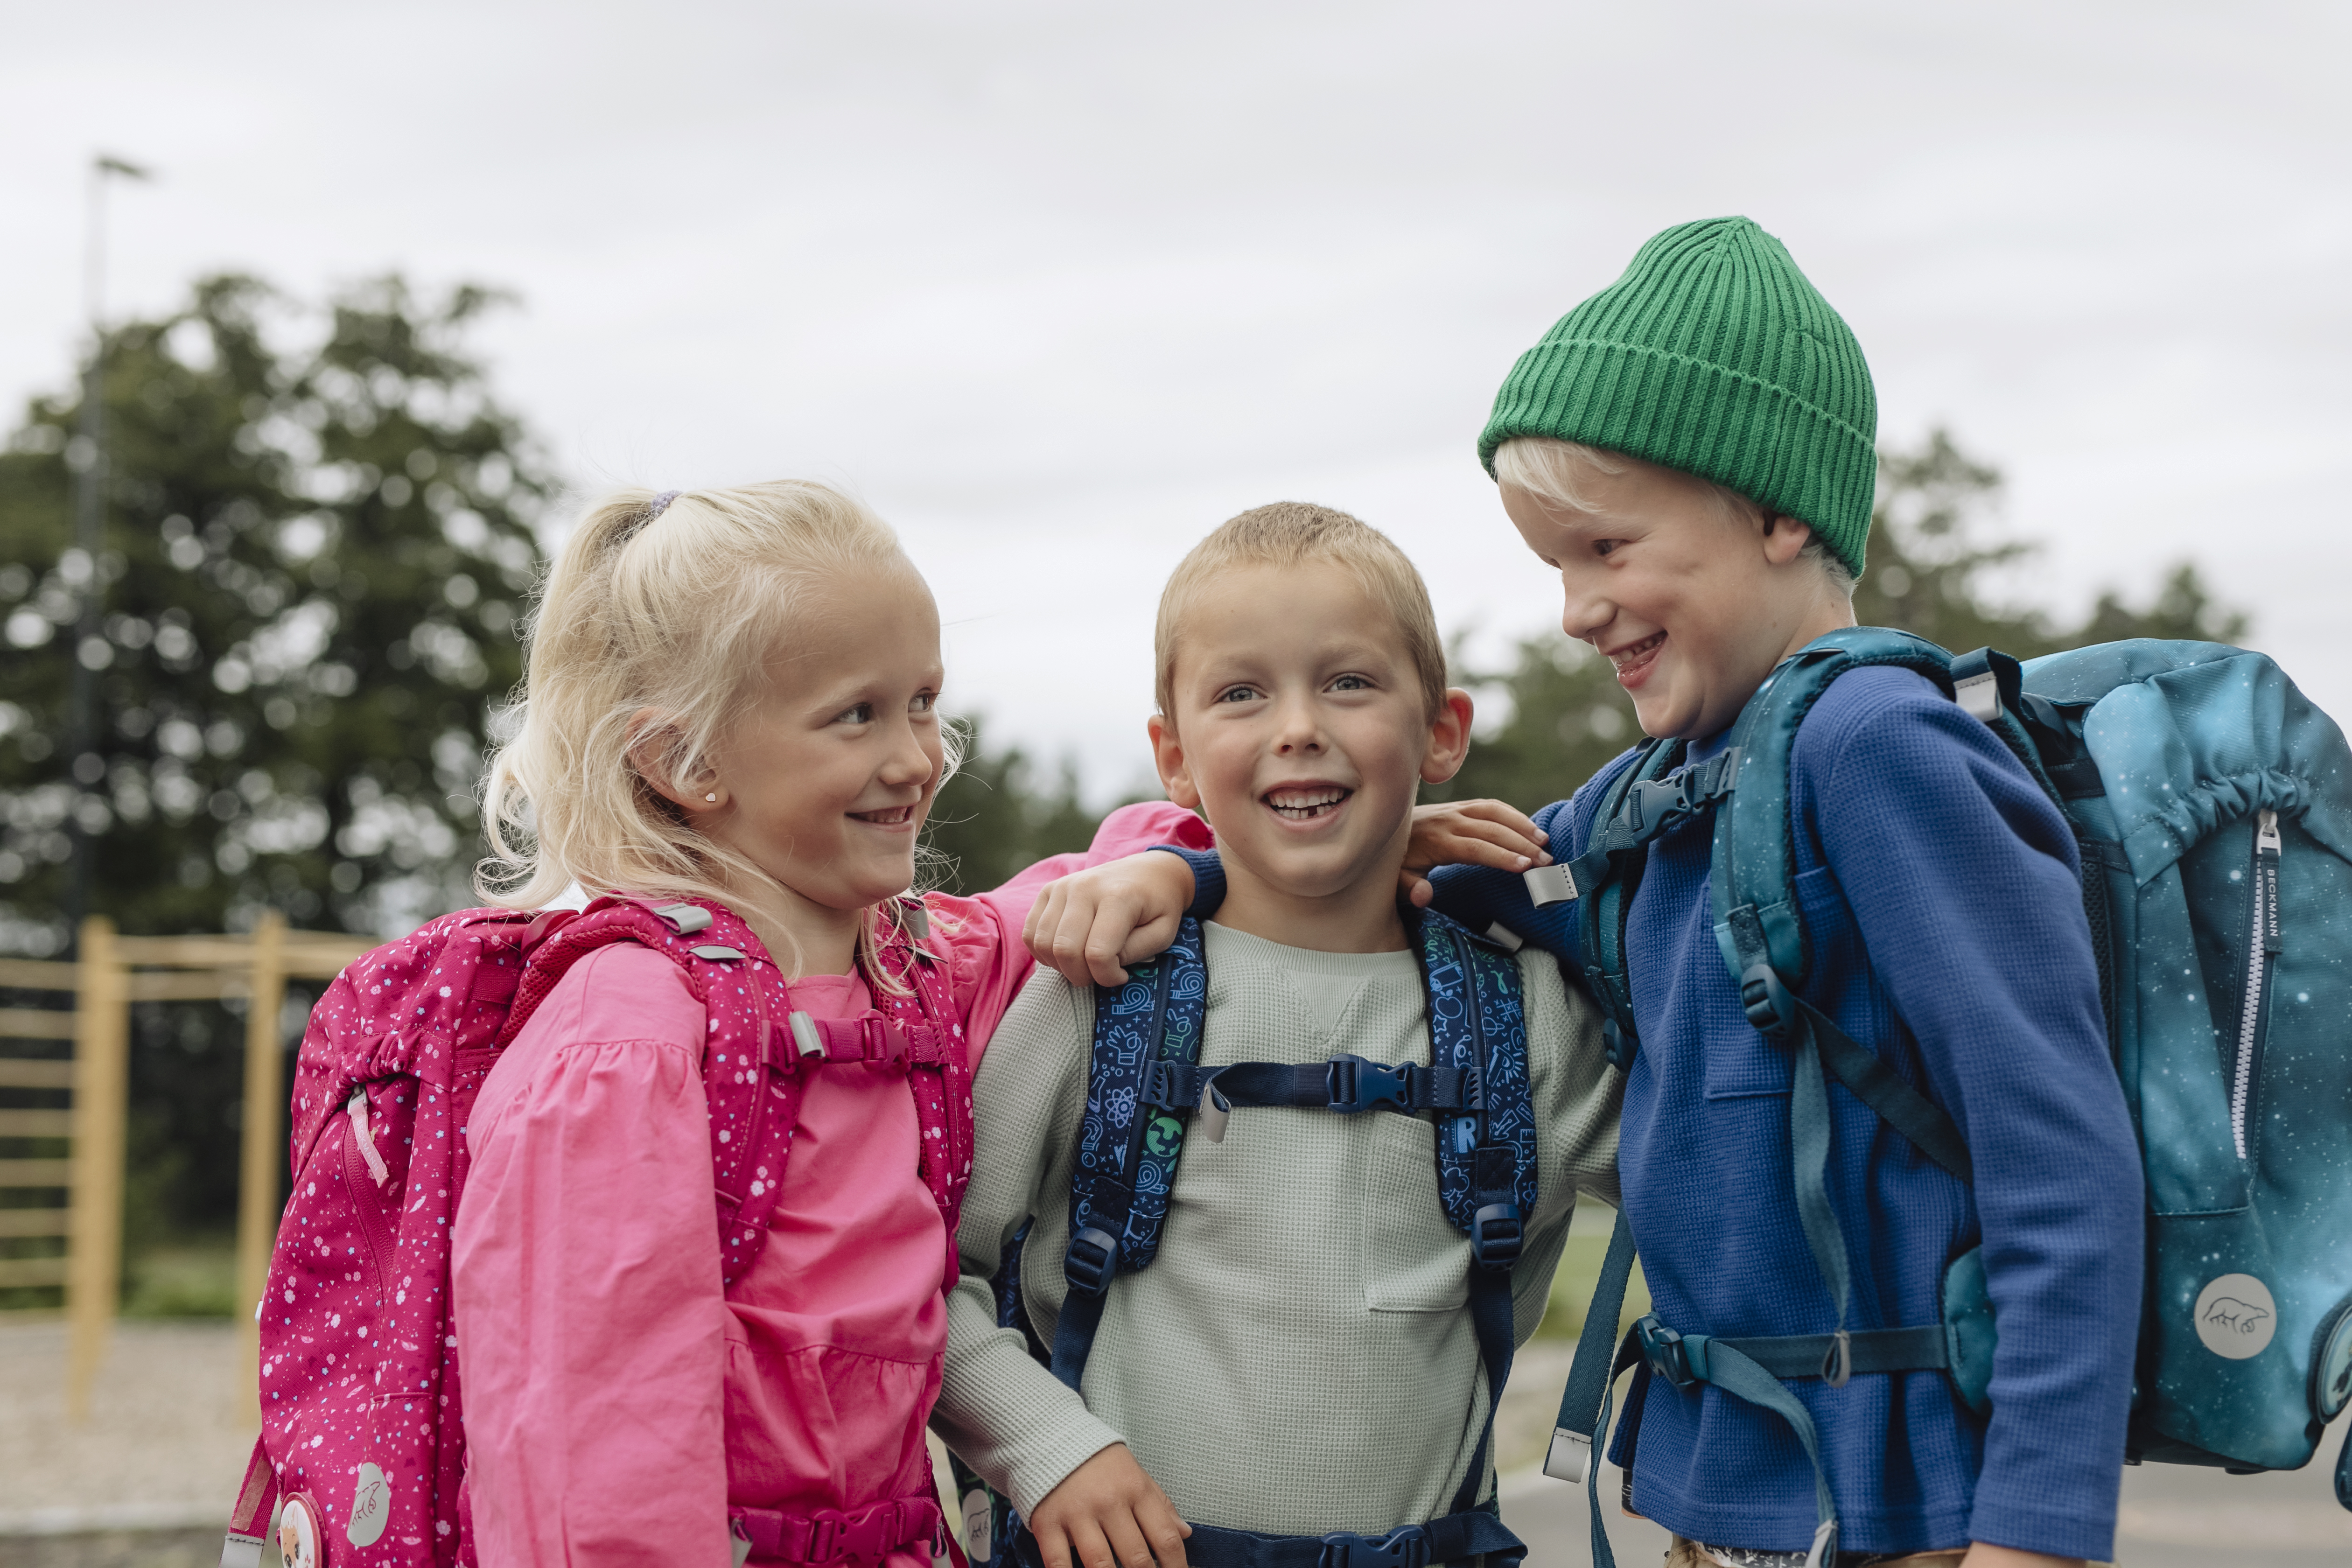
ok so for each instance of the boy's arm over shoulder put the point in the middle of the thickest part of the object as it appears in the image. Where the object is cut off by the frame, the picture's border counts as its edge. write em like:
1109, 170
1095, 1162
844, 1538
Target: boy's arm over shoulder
1480, 896
1009, 1418
980, 936
1963, 878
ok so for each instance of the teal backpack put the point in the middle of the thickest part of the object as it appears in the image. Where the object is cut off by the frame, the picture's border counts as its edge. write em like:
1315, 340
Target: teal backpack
2212, 804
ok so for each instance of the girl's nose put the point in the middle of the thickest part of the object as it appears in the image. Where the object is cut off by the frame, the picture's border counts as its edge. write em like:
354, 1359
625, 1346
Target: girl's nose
907, 763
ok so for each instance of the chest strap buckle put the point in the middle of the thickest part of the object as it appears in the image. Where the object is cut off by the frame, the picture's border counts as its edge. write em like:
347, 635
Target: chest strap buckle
1359, 1083
1405, 1548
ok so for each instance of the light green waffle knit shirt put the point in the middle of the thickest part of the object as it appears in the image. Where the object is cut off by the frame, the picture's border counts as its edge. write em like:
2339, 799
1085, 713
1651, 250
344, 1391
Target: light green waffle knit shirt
1300, 1357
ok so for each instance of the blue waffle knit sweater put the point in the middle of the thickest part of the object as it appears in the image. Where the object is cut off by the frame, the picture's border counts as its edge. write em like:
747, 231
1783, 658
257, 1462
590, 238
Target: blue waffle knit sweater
1939, 886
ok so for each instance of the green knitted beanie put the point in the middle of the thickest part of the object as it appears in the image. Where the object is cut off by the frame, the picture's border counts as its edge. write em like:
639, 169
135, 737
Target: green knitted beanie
1714, 355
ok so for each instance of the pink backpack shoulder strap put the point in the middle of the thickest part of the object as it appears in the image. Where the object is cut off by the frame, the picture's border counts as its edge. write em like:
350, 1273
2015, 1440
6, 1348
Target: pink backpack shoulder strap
913, 1027
759, 1048
753, 1083
939, 1076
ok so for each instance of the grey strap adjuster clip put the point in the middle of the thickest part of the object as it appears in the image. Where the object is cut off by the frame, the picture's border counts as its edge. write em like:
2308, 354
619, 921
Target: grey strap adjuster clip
1978, 696
1569, 1457
1552, 884
805, 1035
1216, 1111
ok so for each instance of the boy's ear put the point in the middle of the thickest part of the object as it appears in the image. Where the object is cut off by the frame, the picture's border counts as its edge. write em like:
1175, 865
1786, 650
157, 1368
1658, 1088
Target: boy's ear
1785, 538
1449, 738
1167, 754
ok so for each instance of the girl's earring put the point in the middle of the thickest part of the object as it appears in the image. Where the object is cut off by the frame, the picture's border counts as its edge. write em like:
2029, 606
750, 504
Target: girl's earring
712, 797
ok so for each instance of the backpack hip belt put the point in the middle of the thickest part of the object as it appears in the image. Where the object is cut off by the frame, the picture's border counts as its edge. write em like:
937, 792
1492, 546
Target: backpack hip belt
1455, 1538
836, 1535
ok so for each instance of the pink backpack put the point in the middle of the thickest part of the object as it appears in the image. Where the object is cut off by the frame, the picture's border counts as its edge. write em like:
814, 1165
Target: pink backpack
362, 1426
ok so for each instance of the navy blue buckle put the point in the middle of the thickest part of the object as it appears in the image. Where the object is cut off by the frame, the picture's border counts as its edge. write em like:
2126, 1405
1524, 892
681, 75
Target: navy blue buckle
1092, 1259
1663, 1352
1681, 794
1616, 1044
1495, 1233
1405, 1548
1767, 1003
1356, 1083
1653, 800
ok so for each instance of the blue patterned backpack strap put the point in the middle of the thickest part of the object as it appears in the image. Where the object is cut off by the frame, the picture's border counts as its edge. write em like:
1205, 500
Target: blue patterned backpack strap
1131, 1138
1486, 1154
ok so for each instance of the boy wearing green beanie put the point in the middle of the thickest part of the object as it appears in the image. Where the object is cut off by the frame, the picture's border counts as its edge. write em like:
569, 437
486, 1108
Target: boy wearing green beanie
1691, 451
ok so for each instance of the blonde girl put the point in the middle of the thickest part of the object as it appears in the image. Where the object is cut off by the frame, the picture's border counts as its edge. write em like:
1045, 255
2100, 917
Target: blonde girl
732, 696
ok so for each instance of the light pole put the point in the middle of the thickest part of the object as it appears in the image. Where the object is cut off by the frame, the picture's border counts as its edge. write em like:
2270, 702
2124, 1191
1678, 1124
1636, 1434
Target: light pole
91, 651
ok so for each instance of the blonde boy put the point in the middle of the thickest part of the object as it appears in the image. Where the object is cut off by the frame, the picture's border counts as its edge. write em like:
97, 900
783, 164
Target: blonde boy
1688, 454
1297, 1373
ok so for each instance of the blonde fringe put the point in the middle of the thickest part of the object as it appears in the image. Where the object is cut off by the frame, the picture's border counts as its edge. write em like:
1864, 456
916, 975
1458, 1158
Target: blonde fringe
1291, 533
677, 616
1558, 471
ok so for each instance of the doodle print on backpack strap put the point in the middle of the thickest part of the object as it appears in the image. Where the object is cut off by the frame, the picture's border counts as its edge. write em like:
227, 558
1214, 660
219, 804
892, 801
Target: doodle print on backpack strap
1477, 1021
1156, 1015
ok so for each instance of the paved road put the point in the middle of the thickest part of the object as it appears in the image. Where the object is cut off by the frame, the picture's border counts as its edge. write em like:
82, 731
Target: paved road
2174, 1516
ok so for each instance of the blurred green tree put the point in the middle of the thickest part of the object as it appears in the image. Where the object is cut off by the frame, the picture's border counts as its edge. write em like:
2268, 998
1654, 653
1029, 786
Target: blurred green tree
317, 532
318, 526
1566, 716
998, 814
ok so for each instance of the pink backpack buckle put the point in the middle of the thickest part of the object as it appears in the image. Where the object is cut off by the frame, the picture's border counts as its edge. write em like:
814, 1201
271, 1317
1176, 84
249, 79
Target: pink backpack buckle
873, 1039
836, 1535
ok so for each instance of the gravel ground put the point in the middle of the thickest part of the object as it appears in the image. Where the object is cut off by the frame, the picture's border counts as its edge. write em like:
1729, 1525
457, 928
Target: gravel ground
113, 1548
164, 1447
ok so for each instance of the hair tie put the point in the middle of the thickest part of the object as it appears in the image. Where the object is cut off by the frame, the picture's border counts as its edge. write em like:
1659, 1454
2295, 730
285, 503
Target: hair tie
637, 525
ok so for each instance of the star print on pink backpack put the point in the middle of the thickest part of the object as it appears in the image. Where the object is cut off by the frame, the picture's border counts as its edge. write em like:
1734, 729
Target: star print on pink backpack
363, 1414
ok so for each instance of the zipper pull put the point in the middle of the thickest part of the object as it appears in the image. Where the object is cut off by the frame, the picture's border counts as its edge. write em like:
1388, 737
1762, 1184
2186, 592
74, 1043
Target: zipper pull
2266, 862
358, 1112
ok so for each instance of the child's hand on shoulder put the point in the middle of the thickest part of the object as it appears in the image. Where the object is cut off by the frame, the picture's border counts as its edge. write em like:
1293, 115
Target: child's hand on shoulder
1469, 833
1086, 926
1108, 1513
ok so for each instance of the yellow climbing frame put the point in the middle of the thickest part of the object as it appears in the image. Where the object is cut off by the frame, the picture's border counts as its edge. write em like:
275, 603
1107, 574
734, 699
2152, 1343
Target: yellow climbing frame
112, 973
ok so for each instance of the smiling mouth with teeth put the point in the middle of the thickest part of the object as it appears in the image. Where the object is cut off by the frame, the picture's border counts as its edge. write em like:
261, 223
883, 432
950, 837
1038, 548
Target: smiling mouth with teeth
1306, 804
889, 816
1634, 657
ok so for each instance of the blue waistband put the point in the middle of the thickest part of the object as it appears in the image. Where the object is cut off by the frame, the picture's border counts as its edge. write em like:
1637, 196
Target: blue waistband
1456, 1538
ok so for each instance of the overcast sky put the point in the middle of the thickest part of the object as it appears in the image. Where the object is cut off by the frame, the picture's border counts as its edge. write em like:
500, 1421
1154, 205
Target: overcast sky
1059, 287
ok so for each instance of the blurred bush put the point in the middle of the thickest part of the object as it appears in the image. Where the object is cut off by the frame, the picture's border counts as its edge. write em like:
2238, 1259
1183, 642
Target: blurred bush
1000, 812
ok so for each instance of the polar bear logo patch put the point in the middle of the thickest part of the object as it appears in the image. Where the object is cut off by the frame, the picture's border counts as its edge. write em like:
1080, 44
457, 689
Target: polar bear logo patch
2235, 1316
